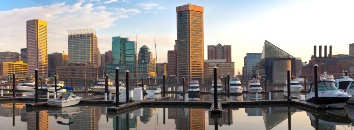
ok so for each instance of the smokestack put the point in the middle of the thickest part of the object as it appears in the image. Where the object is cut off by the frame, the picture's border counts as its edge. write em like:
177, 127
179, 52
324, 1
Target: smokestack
314, 51
325, 51
320, 51
330, 51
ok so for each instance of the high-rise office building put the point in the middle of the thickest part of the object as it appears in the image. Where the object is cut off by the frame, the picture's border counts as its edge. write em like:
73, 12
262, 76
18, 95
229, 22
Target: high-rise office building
144, 58
54, 60
82, 46
190, 42
24, 54
250, 62
37, 46
124, 56
9, 57
216, 52
351, 49
172, 63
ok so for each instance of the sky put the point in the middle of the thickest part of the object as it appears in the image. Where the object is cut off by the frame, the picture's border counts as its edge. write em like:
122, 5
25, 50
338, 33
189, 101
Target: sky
293, 25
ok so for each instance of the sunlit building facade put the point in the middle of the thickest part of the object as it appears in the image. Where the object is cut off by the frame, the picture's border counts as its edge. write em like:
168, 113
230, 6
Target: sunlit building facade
37, 46
19, 68
190, 42
82, 46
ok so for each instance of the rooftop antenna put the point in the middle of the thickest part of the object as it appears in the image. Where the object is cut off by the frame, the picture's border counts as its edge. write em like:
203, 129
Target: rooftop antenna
155, 55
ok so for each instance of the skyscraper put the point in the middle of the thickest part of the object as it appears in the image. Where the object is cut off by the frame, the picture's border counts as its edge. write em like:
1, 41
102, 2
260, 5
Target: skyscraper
124, 56
219, 52
24, 54
250, 62
171, 63
351, 49
37, 46
54, 60
144, 57
190, 42
82, 46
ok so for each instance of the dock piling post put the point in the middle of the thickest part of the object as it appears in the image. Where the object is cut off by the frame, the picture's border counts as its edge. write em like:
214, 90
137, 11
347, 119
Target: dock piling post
13, 85
2, 92
142, 87
127, 86
164, 86
117, 86
105, 87
289, 118
55, 86
228, 86
215, 89
288, 85
36, 86
315, 72
269, 95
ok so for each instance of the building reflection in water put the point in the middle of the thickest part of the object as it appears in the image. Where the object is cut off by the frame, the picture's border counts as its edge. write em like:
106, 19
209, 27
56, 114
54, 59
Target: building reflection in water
6, 110
129, 120
197, 119
253, 111
87, 119
147, 114
36, 120
273, 116
226, 118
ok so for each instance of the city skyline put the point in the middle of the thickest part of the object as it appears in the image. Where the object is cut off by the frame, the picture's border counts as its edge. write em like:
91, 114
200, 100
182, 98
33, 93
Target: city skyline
279, 22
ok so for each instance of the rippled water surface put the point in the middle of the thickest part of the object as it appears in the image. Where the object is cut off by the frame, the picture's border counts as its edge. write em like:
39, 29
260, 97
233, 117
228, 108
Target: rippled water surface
96, 118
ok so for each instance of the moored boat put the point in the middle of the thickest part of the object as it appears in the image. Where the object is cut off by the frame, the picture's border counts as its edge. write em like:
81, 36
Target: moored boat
254, 86
295, 88
236, 86
65, 100
328, 93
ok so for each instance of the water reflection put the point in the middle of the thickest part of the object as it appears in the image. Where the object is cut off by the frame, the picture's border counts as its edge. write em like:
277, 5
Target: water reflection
15, 117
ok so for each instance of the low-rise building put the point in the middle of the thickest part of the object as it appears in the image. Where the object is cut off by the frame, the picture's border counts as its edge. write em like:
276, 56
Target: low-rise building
78, 75
224, 68
19, 68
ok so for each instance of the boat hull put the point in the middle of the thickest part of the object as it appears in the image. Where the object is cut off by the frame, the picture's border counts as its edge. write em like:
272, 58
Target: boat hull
238, 90
328, 100
63, 103
255, 90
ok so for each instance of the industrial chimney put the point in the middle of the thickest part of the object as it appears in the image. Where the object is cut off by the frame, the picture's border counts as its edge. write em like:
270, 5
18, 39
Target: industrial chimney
325, 51
314, 51
320, 51
330, 51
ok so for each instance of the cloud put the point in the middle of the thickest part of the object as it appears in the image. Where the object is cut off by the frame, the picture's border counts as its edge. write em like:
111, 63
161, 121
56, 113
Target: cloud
110, 1
61, 17
150, 6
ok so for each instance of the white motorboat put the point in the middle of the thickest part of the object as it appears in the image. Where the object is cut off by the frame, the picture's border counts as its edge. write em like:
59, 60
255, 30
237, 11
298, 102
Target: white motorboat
219, 87
295, 88
100, 86
328, 93
254, 86
153, 89
65, 100
345, 83
25, 87
193, 86
236, 86
60, 87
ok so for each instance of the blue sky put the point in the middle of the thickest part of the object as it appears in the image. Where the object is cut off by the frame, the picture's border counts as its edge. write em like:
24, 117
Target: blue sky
294, 26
